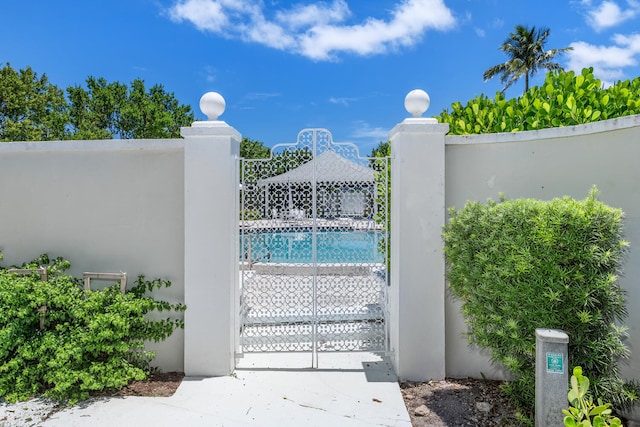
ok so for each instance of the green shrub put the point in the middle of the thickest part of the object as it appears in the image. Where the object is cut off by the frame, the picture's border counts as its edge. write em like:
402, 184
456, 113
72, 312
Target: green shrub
526, 264
564, 99
89, 340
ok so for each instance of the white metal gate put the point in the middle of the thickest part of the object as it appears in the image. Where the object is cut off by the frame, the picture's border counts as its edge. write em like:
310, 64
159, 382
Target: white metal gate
314, 248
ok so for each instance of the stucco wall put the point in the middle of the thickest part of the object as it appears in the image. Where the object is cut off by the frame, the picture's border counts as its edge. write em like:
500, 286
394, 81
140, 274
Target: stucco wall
106, 206
111, 206
544, 165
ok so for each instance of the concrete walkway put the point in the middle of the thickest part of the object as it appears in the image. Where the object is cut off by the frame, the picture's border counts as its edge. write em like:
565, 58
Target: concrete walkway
355, 389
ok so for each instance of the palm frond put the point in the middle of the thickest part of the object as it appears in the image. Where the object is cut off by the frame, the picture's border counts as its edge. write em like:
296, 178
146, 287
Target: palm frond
525, 49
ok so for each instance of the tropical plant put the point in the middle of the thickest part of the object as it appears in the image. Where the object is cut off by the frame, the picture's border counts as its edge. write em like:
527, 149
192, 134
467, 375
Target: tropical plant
564, 99
582, 411
525, 49
525, 264
63, 342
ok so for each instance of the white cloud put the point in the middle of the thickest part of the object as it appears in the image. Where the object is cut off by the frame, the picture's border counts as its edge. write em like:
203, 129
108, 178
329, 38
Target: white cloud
204, 14
497, 23
269, 34
314, 14
363, 130
342, 100
609, 14
367, 137
210, 73
260, 95
480, 32
632, 42
608, 62
320, 30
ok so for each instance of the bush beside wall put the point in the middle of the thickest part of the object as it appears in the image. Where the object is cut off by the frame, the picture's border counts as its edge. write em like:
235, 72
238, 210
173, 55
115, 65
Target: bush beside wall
525, 264
61, 341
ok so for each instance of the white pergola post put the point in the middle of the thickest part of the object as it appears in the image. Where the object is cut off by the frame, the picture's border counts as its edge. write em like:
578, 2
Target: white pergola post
417, 294
210, 242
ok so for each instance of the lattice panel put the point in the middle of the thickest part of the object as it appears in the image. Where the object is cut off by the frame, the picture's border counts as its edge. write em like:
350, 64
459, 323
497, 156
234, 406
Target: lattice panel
314, 248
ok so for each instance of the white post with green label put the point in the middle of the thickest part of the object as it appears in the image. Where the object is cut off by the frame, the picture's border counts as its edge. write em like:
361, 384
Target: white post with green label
552, 377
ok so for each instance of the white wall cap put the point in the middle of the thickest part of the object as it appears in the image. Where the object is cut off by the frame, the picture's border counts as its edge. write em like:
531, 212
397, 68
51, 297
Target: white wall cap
210, 129
419, 126
169, 144
209, 124
549, 133
420, 120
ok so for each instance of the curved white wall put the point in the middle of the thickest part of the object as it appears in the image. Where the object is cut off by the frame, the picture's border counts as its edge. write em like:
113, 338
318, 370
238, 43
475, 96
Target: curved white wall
544, 165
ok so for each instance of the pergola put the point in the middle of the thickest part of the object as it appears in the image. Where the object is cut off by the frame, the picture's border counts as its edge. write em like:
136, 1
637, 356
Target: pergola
325, 170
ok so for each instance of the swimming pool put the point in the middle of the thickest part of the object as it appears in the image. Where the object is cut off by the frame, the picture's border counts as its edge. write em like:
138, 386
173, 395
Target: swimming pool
296, 247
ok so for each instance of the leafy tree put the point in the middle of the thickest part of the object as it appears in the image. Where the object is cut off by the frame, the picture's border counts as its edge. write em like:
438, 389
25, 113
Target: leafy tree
93, 111
152, 114
250, 149
525, 50
108, 110
383, 149
31, 108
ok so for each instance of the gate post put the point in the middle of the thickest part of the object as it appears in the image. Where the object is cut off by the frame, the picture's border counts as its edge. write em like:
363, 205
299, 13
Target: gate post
210, 241
417, 293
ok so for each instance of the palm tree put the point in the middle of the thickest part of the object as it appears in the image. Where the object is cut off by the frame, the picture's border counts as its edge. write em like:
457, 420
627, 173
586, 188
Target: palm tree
525, 49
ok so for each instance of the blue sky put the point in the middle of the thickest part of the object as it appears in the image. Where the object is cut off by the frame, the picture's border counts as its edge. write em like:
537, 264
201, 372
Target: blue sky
283, 66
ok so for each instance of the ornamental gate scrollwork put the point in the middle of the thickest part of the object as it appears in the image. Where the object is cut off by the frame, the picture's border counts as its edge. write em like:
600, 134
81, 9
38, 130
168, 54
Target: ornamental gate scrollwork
314, 244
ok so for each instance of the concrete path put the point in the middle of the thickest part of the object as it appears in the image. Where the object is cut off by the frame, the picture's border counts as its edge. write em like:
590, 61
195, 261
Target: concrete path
356, 389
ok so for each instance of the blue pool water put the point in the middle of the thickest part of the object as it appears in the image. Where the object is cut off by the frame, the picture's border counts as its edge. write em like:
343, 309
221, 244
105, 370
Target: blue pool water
295, 247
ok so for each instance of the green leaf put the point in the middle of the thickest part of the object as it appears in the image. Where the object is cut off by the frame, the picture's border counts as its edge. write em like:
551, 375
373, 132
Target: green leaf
509, 110
548, 88
570, 422
570, 103
597, 410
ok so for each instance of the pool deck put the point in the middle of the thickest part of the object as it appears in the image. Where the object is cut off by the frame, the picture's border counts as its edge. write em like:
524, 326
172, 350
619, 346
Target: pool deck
308, 224
319, 269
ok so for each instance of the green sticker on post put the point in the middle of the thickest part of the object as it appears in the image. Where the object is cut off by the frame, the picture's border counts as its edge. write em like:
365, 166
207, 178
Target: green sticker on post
555, 363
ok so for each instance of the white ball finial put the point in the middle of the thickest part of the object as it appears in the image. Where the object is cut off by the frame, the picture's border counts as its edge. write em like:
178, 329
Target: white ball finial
417, 102
212, 104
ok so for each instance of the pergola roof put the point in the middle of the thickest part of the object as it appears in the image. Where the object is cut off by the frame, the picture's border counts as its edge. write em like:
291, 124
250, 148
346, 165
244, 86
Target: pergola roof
329, 167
